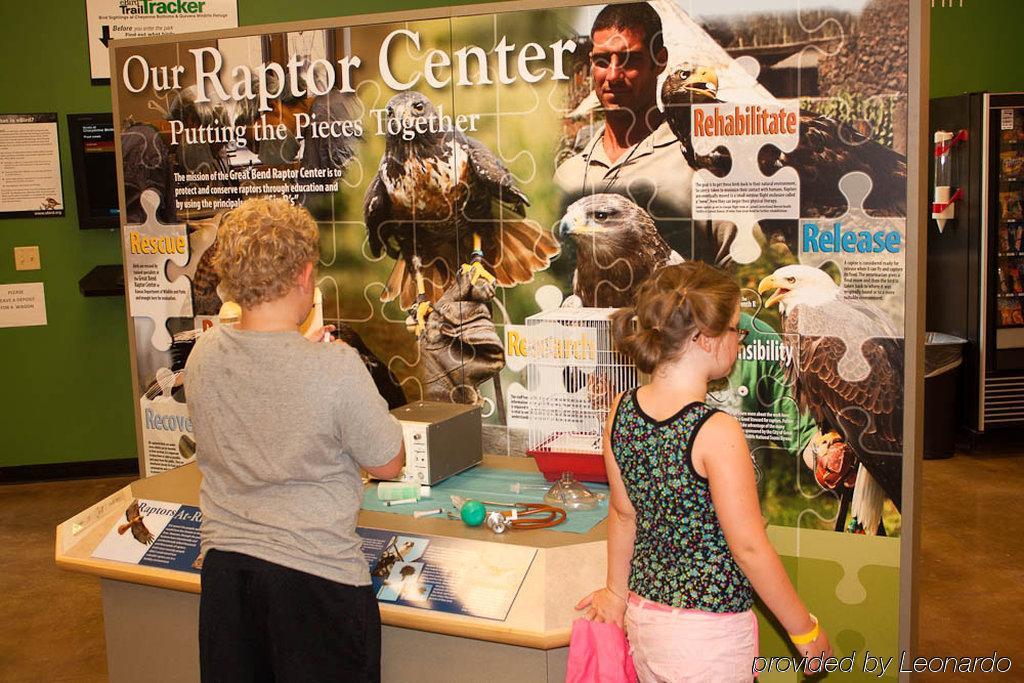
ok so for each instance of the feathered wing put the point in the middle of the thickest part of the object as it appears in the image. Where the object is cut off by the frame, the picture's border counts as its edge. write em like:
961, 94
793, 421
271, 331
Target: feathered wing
518, 248
514, 246
868, 412
376, 213
827, 150
381, 235
138, 528
494, 177
141, 533
655, 249
132, 513
606, 286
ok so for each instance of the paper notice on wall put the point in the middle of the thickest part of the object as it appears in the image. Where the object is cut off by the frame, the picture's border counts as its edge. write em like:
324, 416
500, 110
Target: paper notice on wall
119, 19
30, 185
450, 575
155, 533
22, 305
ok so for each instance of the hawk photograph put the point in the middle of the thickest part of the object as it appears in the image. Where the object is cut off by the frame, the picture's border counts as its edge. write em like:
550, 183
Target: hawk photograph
446, 199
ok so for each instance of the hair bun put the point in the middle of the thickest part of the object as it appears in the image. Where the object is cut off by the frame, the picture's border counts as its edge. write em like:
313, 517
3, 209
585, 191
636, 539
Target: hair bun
665, 300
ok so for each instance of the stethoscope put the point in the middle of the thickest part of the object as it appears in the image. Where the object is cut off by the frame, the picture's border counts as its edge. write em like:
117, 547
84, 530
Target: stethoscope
541, 516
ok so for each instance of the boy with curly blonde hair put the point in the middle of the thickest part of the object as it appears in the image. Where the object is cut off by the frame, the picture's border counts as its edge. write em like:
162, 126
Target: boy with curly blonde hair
283, 426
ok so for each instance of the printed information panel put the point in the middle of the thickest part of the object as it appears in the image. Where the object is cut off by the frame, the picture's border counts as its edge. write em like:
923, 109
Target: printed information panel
155, 533
30, 185
119, 19
429, 572
446, 574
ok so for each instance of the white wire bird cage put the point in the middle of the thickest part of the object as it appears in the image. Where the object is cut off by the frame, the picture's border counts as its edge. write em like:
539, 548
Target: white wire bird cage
573, 374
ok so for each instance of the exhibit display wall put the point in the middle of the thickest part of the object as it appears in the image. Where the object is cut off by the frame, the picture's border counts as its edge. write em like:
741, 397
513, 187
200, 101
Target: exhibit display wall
475, 234
83, 353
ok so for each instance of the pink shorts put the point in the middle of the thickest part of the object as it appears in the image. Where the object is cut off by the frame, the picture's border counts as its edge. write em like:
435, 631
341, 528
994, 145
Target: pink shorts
671, 645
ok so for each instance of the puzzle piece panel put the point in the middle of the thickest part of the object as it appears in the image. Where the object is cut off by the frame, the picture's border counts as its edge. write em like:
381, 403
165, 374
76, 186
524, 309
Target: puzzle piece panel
848, 581
871, 255
148, 249
745, 195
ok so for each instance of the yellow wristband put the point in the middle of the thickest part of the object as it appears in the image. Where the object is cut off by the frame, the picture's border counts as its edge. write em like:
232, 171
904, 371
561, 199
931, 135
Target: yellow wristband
809, 637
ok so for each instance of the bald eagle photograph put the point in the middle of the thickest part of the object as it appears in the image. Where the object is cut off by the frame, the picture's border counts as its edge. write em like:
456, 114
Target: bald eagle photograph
848, 375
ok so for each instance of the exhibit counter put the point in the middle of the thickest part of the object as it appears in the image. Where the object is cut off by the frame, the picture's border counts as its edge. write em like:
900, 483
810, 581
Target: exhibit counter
525, 582
151, 613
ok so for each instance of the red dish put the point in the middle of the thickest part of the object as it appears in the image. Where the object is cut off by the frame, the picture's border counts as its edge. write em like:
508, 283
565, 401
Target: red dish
551, 462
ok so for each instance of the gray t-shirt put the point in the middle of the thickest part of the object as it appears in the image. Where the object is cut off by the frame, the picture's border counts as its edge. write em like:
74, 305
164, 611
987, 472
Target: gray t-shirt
282, 425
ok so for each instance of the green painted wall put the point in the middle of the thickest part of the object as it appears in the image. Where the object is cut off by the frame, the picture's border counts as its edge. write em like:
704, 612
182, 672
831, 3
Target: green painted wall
65, 389
976, 47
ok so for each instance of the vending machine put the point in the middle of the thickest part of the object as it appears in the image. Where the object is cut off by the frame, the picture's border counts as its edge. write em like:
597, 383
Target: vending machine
976, 248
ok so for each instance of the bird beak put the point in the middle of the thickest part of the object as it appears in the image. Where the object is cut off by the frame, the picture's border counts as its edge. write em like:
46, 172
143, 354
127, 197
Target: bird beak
565, 228
568, 227
702, 85
771, 283
702, 94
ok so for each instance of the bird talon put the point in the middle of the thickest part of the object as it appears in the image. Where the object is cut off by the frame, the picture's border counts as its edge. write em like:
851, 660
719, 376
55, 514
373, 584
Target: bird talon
476, 271
828, 438
419, 323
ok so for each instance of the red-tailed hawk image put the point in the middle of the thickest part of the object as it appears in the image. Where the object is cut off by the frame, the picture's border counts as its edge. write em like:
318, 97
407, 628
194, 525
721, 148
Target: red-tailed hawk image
135, 523
444, 199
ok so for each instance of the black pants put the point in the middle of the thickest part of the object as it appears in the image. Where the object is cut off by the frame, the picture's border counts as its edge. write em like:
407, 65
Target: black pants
259, 621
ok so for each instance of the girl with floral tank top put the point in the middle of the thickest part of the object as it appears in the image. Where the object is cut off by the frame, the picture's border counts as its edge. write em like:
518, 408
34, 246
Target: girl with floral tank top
686, 542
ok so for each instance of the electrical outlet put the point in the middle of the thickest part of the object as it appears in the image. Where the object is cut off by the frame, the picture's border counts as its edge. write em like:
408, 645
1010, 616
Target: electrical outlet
26, 258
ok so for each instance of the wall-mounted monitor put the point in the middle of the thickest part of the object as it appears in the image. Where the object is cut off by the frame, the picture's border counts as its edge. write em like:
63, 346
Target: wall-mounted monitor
95, 169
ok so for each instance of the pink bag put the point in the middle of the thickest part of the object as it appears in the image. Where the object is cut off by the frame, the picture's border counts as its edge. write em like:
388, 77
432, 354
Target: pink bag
598, 653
